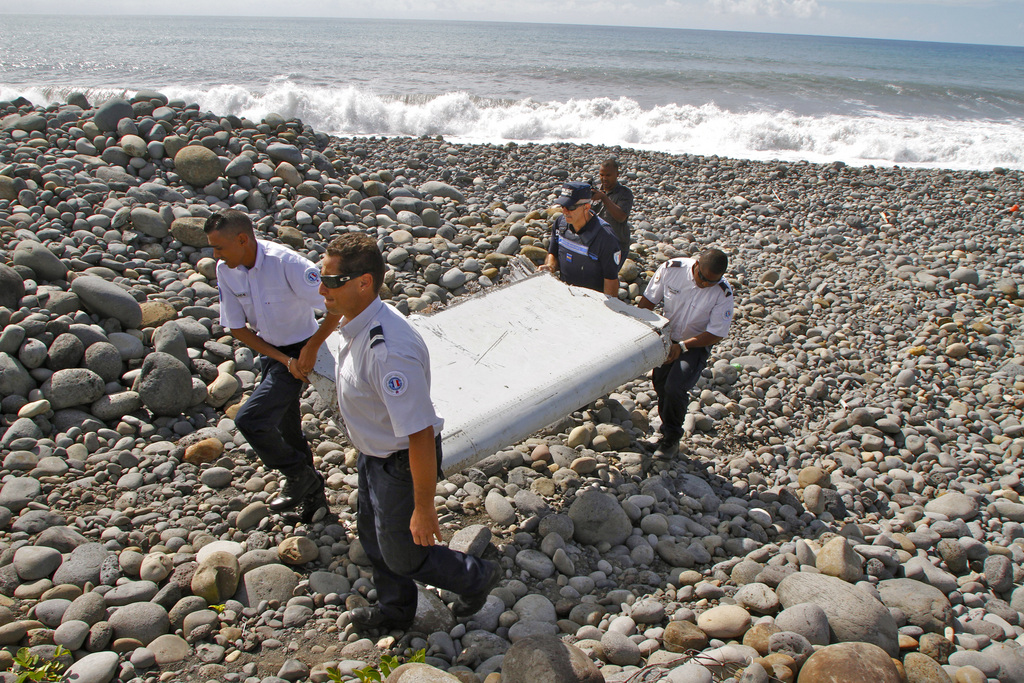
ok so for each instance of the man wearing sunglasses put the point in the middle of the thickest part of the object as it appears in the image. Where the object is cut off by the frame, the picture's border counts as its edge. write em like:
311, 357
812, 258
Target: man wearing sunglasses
268, 294
698, 303
383, 385
582, 248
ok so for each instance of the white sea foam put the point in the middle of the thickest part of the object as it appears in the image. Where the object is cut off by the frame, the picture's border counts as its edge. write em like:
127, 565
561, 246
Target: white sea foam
874, 139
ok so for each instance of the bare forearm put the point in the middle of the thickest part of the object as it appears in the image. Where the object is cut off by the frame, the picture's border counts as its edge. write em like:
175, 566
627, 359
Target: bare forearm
253, 341
327, 325
423, 524
702, 339
611, 287
423, 467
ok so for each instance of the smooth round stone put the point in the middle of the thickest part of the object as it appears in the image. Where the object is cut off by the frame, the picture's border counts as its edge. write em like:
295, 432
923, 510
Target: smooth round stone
724, 621
758, 597
216, 477
143, 621
71, 634
36, 562
619, 649
297, 550
169, 649
850, 663
98, 667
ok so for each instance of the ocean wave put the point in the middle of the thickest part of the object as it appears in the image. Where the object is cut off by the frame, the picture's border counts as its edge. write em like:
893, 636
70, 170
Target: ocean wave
707, 129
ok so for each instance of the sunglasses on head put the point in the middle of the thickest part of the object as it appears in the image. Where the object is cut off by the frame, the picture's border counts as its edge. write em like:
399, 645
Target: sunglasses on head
335, 281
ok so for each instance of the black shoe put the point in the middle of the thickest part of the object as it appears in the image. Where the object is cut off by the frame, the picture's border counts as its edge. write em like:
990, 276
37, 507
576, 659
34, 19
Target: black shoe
366, 618
470, 603
297, 486
314, 506
667, 450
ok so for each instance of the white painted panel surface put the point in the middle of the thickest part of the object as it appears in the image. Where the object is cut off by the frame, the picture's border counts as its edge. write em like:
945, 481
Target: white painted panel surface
518, 358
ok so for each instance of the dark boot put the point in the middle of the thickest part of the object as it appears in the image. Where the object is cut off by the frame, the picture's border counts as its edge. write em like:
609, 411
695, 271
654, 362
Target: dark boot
298, 484
314, 506
470, 603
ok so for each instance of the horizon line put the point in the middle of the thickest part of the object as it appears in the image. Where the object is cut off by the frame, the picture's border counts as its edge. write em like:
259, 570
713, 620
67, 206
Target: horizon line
505, 21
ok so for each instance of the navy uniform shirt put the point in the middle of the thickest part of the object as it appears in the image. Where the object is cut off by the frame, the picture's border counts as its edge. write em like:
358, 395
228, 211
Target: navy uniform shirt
622, 197
587, 258
383, 381
276, 297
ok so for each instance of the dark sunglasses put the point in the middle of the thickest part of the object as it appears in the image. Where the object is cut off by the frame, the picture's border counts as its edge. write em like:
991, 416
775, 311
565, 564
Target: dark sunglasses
707, 279
335, 281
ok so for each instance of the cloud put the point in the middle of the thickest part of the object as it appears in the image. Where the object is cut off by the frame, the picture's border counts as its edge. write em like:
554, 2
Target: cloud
800, 9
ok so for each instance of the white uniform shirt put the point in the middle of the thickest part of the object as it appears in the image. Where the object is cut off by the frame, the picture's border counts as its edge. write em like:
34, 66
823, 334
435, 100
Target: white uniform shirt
276, 296
383, 381
690, 309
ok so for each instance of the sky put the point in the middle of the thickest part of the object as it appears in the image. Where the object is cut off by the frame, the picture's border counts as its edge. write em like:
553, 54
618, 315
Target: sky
990, 22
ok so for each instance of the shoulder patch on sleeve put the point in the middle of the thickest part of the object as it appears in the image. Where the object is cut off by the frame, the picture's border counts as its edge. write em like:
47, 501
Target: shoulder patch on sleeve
394, 383
311, 277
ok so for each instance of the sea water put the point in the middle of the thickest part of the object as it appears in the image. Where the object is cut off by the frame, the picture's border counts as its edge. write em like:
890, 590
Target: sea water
746, 95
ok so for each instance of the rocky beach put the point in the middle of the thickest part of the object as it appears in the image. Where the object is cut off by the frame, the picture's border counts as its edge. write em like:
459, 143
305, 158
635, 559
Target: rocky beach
846, 503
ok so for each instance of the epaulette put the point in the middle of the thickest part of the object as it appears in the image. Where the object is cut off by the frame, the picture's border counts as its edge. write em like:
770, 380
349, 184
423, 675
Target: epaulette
725, 287
674, 263
376, 335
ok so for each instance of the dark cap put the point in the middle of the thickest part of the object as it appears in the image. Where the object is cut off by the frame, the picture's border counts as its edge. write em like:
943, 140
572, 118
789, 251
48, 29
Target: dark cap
573, 193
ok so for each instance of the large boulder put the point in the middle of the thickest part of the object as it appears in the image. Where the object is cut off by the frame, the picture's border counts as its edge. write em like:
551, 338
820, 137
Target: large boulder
41, 260
144, 621
148, 222
189, 230
439, 189
547, 658
110, 112
108, 300
14, 377
12, 287
269, 582
98, 667
165, 384
216, 578
72, 387
853, 614
197, 165
850, 663
954, 505
924, 605
598, 517
82, 565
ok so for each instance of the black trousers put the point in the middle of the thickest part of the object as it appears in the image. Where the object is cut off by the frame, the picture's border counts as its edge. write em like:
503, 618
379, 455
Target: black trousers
270, 420
385, 508
673, 382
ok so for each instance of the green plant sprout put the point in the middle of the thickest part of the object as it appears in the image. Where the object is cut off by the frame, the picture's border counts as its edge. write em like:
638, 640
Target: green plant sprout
34, 668
388, 663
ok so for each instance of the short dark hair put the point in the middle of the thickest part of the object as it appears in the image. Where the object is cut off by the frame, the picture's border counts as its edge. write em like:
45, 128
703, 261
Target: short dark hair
231, 222
359, 254
715, 261
611, 162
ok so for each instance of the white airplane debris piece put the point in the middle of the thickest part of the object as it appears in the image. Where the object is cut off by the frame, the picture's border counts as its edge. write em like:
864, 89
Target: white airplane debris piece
510, 361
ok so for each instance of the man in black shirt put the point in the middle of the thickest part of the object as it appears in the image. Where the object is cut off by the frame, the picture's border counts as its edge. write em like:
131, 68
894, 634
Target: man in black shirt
614, 201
